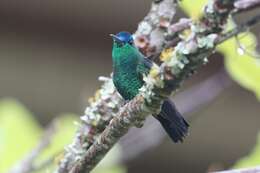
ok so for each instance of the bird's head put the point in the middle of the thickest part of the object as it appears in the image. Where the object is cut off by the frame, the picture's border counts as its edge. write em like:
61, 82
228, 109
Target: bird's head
122, 38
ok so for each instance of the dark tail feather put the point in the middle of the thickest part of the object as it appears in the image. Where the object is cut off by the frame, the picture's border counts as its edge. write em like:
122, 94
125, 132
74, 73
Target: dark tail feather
172, 121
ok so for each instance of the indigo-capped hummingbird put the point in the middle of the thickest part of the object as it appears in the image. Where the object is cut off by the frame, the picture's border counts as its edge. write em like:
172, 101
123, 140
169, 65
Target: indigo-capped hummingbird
129, 66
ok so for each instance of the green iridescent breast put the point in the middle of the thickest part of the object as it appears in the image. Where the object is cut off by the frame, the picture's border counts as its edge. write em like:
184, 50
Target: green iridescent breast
125, 76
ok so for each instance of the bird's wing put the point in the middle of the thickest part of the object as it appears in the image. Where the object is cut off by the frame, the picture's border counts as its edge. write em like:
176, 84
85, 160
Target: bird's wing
144, 66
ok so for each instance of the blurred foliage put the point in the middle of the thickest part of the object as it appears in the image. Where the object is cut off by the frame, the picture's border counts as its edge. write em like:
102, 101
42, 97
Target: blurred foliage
242, 67
252, 159
20, 133
62, 137
194, 10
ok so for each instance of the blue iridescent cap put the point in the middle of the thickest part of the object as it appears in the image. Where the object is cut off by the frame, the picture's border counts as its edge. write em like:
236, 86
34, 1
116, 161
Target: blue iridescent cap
124, 37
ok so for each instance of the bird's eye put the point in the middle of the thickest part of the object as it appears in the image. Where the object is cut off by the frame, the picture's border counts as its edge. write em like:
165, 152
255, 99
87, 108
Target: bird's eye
119, 44
131, 42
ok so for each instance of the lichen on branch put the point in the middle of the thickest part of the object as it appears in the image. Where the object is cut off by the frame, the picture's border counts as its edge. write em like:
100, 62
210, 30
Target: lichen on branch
105, 121
106, 102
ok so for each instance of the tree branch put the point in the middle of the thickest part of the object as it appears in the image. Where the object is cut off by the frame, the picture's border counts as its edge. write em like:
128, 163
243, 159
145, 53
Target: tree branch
179, 62
106, 103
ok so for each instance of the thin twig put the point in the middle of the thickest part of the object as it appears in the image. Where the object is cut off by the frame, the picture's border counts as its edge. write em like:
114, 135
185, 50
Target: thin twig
239, 29
27, 164
46, 163
245, 170
242, 5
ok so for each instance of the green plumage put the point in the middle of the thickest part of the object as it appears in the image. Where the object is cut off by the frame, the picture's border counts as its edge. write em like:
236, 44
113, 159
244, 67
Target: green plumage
129, 68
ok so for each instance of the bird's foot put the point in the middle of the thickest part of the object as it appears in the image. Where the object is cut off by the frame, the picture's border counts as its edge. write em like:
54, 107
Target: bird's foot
140, 122
125, 102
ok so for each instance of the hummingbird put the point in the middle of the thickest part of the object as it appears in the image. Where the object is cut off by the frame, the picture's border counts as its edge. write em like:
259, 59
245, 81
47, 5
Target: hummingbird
129, 67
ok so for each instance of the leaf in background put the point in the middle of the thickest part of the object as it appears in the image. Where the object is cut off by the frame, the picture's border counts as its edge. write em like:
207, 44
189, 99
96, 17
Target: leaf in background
65, 130
19, 132
193, 9
242, 68
252, 159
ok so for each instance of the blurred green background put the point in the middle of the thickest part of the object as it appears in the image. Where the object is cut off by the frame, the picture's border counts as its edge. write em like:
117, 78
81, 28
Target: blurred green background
51, 54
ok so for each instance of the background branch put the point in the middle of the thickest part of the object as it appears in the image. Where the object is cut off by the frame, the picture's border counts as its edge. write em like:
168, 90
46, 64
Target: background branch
245, 170
27, 164
246, 4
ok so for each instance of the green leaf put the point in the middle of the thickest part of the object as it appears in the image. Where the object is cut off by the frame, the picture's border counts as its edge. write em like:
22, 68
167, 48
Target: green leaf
252, 159
19, 132
193, 9
242, 67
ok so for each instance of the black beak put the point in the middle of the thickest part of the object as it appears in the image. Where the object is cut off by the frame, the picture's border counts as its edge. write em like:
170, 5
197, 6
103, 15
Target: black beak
116, 38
